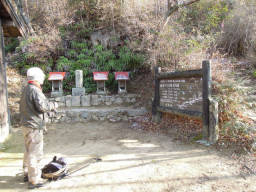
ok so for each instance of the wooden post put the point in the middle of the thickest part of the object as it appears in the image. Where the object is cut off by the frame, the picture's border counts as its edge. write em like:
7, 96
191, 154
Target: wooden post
125, 86
206, 68
61, 86
52, 86
213, 121
4, 118
156, 103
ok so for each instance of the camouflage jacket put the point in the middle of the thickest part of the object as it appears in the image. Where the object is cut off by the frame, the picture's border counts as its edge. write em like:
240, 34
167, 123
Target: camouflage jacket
33, 105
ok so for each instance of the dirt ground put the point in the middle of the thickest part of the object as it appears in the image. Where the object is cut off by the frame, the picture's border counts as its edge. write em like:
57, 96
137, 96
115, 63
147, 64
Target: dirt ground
132, 161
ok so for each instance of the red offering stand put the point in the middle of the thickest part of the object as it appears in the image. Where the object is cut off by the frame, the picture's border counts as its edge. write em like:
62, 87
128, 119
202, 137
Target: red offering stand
57, 83
100, 78
122, 77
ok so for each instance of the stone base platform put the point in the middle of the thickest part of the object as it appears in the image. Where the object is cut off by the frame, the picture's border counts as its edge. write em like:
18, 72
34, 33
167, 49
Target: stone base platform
78, 91
80, 114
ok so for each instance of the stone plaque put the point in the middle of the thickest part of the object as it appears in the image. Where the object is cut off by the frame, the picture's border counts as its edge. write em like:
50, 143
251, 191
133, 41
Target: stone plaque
79, 78
79, 90
183, 94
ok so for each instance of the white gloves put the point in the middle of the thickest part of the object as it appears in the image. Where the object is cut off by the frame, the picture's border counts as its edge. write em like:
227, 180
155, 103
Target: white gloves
56, 105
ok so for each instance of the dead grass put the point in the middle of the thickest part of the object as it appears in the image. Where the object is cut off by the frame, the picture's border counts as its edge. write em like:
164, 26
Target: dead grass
237, 37
180, 128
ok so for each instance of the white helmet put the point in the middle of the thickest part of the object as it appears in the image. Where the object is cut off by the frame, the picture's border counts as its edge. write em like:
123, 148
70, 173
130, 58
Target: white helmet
36, 74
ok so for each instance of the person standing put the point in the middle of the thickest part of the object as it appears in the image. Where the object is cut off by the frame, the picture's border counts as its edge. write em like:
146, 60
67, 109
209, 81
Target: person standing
33, 106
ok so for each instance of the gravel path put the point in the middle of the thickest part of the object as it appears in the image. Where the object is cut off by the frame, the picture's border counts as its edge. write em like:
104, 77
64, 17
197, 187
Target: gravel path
133, 161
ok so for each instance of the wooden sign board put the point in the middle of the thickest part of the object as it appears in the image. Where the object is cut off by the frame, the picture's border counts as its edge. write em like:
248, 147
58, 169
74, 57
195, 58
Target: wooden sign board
185, 94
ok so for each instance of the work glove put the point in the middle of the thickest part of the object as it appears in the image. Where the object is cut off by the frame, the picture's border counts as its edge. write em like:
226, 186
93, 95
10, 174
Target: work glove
56, 105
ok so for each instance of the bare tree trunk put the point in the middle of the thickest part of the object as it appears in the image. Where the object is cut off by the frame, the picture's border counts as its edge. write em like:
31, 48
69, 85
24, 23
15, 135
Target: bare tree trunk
157, 7
121, 6
168, 4
113, 19
26, 8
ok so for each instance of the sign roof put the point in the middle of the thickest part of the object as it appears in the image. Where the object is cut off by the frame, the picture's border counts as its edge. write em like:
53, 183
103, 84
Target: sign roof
122, 75
56, 76
99, 76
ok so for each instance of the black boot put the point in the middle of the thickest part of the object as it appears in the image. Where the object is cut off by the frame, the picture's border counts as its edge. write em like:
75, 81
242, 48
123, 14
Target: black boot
25, 178
34, 186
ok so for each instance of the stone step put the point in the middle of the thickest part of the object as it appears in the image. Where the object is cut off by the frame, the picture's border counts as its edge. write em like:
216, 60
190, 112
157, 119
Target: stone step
82, 114
95, 100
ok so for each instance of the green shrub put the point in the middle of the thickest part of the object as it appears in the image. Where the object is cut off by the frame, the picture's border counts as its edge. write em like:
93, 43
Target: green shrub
97, 58
63, 63
47, 85
11, 45
254, 73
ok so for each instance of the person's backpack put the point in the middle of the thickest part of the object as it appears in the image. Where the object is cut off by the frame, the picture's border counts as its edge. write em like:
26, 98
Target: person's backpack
55, 170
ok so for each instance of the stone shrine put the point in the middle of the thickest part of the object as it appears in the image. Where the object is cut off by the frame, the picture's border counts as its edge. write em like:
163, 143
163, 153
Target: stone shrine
57, 83
100, 78
79, 90
122, 77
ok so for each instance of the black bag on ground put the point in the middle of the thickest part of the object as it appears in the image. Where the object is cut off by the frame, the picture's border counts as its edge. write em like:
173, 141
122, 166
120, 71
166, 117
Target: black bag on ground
56, 169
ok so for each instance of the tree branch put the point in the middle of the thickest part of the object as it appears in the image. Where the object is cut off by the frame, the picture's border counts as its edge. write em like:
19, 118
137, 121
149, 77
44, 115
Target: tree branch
176, 8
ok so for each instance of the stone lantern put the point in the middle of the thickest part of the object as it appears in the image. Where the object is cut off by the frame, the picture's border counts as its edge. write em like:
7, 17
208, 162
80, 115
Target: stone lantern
122, 77
100, 78
57, 83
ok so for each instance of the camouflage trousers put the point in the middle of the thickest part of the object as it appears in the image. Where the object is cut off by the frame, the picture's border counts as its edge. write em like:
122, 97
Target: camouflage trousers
33, 154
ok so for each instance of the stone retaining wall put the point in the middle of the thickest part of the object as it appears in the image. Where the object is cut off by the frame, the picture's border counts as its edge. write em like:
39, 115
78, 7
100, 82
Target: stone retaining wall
81, 114
95, 108
95, 100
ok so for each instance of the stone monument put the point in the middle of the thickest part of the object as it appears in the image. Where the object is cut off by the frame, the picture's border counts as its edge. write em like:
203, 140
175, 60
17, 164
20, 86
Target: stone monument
79, 90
